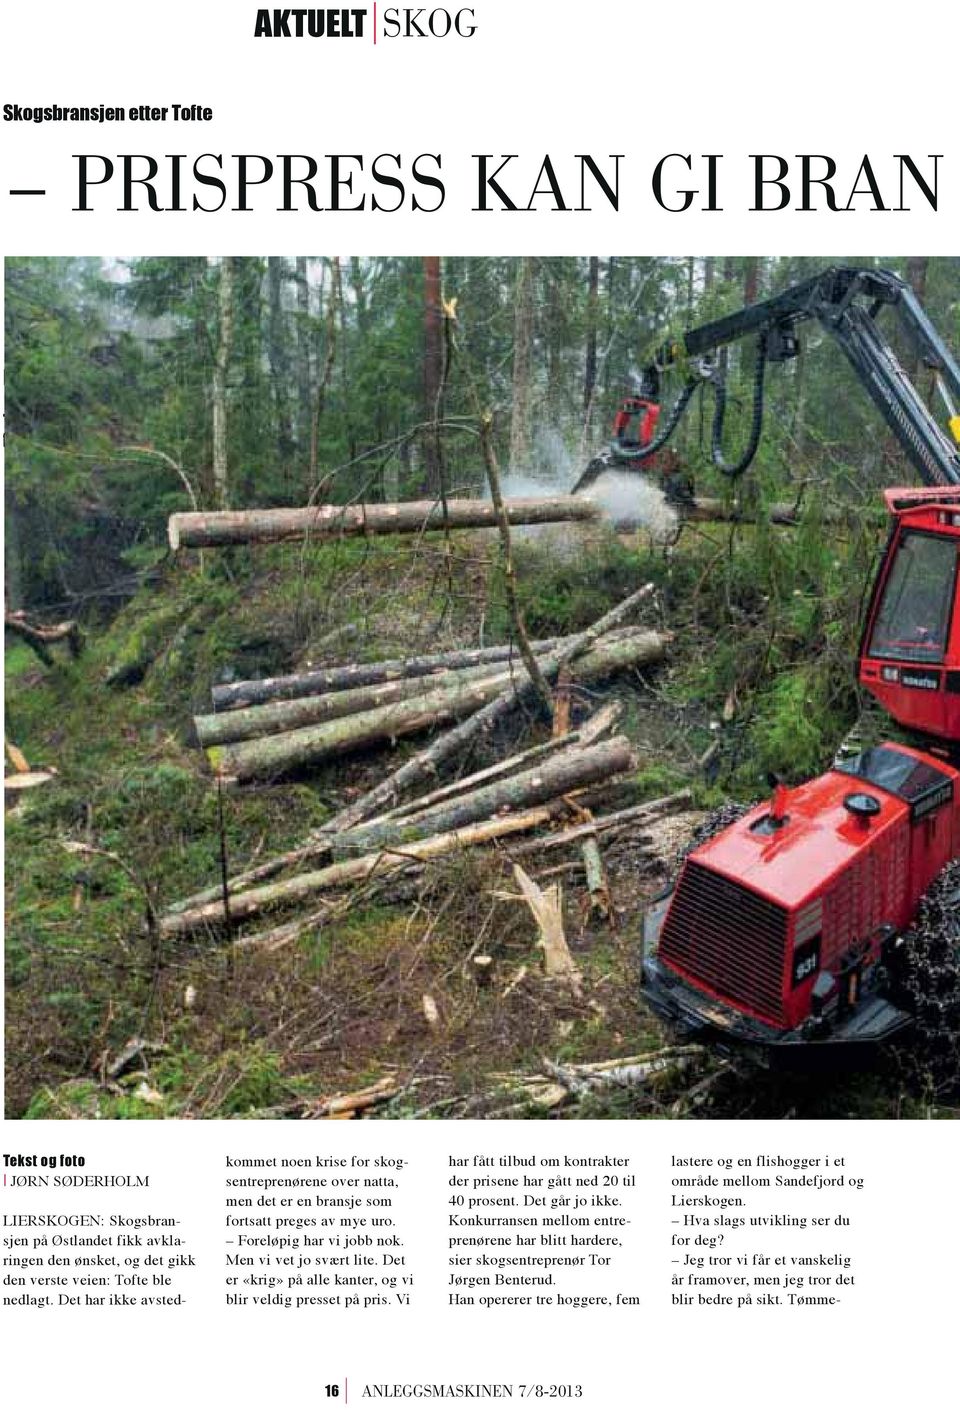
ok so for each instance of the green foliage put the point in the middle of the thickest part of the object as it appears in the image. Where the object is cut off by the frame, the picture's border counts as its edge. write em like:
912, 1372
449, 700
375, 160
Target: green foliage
562, 586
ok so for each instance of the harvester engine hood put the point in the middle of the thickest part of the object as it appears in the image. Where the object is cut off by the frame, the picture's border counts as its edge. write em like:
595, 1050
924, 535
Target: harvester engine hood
777, 925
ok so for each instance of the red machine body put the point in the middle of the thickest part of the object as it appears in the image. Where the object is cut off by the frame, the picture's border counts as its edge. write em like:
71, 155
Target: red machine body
784, 918
635, 424
910, 653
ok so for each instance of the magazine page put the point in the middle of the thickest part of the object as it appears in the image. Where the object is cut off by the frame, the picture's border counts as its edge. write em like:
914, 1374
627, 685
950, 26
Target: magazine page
482, 728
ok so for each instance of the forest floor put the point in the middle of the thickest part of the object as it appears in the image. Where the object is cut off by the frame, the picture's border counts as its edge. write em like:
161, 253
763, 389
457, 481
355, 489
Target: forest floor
225, 1033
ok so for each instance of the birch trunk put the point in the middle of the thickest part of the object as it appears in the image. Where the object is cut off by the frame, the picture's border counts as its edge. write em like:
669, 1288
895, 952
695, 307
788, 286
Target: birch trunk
221, 486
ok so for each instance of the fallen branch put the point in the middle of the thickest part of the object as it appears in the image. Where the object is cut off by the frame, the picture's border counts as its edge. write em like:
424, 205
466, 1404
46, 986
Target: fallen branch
41, 638
351, 1102
34, 778
16, 756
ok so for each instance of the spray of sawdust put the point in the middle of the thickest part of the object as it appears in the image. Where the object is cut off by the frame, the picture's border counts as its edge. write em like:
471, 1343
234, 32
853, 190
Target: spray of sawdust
627, 501
630, 501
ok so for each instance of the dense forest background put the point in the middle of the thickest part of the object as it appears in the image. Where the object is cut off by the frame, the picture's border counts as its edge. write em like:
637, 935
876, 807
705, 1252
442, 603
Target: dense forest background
138, 387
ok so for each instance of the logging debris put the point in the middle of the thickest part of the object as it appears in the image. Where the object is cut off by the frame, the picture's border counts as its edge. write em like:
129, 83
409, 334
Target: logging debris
40, 638
546, 905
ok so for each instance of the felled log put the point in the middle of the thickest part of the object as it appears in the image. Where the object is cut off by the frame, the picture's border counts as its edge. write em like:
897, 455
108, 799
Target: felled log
454, 741
598, 891
788, 515
275, 754
608, 822
258, 899
564, 773
240, 694
279, 936
589, 732
221, 528
278, 716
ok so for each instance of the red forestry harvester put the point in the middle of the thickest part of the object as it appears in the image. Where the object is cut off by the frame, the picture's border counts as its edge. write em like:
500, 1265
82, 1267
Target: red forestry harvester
632, 447
829, 917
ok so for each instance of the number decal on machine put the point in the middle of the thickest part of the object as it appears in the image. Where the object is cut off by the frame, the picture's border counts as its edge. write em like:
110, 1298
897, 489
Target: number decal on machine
806, 961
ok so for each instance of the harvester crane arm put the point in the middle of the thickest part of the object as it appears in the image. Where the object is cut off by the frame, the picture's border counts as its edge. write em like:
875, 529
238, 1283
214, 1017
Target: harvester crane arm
846, 302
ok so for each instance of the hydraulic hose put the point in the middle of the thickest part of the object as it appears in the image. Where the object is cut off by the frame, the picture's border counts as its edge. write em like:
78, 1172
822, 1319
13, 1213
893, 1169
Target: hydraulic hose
672, 422
620, 454
735, 470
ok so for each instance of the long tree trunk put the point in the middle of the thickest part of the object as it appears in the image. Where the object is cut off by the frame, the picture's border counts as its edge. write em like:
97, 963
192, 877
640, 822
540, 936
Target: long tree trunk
279, 753
240, 694
593, 317
278, 359
573, 769
432, 364
277, 716
13, 556
520, 420
304, 373
509, 572
338, 521
221, 483
334, 300
751, 279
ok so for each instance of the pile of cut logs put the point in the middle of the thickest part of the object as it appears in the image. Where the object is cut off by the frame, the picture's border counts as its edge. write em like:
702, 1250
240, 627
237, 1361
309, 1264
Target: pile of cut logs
263, 729
258, 728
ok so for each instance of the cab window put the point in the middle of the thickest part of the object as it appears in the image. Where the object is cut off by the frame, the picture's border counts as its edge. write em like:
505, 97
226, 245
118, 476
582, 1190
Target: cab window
914, 616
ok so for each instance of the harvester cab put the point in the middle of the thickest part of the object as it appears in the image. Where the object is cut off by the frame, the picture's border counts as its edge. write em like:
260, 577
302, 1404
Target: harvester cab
829, 918
910, 653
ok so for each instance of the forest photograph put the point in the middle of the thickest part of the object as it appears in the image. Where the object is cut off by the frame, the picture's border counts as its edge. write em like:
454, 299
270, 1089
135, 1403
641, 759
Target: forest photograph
482, 687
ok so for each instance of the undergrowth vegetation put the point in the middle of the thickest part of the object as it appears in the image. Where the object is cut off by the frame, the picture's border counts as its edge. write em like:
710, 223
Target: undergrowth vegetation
764, 637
